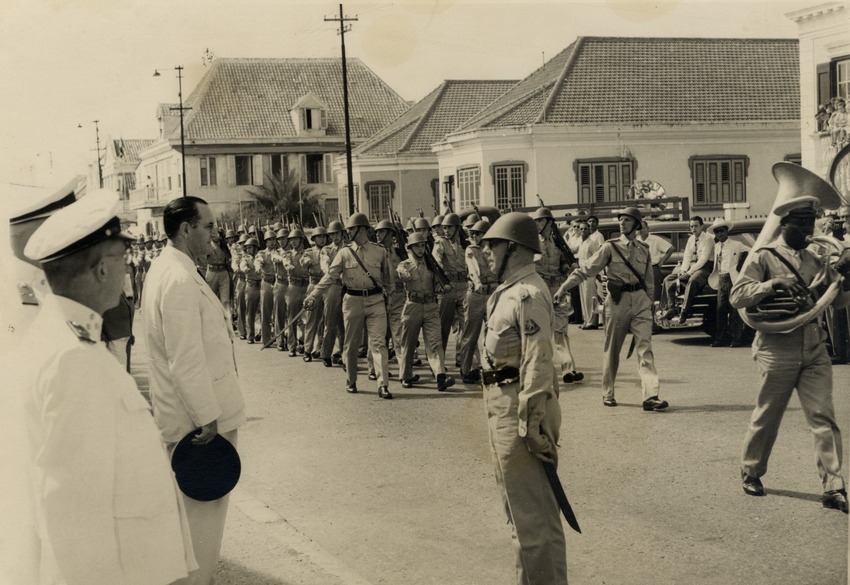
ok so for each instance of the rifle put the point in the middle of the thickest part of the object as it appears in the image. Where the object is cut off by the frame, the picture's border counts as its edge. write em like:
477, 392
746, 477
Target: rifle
448, 205
559, 240
431, 263
401, 236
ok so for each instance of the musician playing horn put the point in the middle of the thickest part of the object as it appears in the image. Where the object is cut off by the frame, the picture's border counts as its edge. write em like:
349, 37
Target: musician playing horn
796, 359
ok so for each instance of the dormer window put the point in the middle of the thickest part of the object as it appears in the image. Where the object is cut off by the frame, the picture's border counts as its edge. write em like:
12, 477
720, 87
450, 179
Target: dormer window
309, 116
314, 119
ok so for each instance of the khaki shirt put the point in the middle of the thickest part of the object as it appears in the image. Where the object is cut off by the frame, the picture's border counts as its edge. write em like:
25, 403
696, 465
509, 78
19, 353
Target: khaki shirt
520, 319
449, 255
416, 276
248, 267
551, 262
635, 251
479, 270
346, 267
277, 260
263, 262
294, 262
216, 256
312, 260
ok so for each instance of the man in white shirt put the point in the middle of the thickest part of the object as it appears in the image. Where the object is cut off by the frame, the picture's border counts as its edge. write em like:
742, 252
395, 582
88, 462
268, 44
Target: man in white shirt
660, 250
697, 264
587, 289
595, 234
729, 255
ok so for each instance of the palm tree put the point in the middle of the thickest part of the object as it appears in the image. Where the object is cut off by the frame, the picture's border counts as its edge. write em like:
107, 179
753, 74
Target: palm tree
282, 196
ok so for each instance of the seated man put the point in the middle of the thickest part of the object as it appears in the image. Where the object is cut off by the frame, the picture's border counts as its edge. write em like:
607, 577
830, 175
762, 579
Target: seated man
697, 264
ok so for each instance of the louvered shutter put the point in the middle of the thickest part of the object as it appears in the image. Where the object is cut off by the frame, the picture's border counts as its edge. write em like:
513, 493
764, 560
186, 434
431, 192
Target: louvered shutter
324, 117
328, 167
257, 170
302, 168
231, 170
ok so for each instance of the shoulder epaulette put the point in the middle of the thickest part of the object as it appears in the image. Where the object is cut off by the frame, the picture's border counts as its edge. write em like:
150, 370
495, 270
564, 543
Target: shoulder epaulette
27, 294
81, 332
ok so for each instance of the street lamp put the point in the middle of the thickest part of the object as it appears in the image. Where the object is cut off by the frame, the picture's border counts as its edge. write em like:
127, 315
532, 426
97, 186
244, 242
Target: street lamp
179, 70
97, 145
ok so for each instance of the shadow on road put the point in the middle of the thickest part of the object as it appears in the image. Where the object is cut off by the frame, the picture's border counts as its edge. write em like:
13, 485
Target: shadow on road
701, 340
792, 494
232, 573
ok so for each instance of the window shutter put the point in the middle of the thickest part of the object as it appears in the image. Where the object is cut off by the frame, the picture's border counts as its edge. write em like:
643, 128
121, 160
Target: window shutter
231, 170
329, 161
257, 169
303, 114
324, 118
302, 168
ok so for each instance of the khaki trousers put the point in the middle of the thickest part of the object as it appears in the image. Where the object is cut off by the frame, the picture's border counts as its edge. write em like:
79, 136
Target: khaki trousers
314, 324
369, 314
562, 352
787, 361
252, 305
416, 317
333, 320
279, 310
451, 304
537, 531
266, 311
476, 311
587, 293
633, 314
294, 300
239, 299
219, 282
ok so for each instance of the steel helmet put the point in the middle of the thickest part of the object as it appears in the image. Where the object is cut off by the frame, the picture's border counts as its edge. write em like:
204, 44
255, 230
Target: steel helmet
240, 229
542, 213
319, 231
277, 226
335, 226
282, 233
416, 239
385, 224
420, 223
230, 234
633, 212
451, 219
357, 220
252, 229
480, 226
297, 233
471, 220
438, 220
242, 238
410, 225
252, 242
268, 235
515, 227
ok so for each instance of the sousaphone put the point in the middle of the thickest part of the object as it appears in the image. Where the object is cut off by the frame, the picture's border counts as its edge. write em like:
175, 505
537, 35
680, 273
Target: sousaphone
781, 313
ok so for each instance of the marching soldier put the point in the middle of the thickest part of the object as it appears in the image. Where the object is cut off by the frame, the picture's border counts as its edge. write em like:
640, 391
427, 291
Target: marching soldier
628, 306
253, 278
553, 265
237, 251
520, 393
384, 234
332, 298
364, 269
437, 226
315, 320
296, 263
281, 284
482, 282
420, 313
450, 256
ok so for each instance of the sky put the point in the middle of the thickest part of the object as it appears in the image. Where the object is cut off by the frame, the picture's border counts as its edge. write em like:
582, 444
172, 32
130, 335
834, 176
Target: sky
67, 63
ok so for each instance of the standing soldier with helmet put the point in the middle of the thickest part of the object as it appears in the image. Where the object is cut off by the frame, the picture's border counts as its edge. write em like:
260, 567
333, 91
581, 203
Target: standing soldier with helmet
217, 276
364, 269
437, 226
334, 332
281, 284
482, 282
237, 252
553, 265
296, 263
253, 278
520, 394
312, 262
385, 233
450, 257
628, 306
264, 263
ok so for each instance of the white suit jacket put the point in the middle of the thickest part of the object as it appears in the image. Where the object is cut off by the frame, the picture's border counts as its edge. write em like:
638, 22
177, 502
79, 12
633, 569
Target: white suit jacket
190, 345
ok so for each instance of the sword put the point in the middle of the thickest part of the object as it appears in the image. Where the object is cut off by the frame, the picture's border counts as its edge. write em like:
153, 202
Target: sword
560, 496
283, 329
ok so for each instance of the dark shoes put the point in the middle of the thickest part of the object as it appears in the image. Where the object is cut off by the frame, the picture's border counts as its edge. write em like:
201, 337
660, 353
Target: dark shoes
719, 344
327, 362
410, 382
588, 327
336, 359
351, 388
653, 403
573, 376
292, 352
316, 355
753, 487
308, 357
250, 342
836, 500
373, 375
417, 362
472, 377
444, 382
281, 348
383, 392
609, 402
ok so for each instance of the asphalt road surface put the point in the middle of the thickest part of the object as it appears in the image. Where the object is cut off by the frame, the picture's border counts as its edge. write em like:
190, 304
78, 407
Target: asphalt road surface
354, 490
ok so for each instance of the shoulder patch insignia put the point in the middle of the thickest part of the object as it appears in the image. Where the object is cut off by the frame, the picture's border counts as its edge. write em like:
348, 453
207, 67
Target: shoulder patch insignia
81, 332
523, 293
530, 327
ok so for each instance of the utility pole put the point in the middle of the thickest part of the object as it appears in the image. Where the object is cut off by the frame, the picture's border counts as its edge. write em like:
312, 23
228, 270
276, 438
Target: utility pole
97, 149
343, 28
179, 70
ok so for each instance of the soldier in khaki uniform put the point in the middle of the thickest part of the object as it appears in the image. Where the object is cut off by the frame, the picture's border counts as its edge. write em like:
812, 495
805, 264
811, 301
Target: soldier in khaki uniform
253, 279
237, 251
553, 267
363, 303
333, 298
385, 233
628, 306
217, 276
264, 264
315, 320
482, 282
281, 284
296, 263
521, 397
420, 313
450, 256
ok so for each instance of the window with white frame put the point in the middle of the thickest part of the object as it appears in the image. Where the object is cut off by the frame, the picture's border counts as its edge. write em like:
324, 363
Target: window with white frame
380, 197
719, 179
468, 187
509, 182
842, 78
317, 168
208, 171
244, 170
331, 208
314, 119
280, 165
604, 179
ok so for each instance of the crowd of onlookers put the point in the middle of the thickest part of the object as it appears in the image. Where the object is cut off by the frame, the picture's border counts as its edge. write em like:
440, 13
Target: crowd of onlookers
832, 118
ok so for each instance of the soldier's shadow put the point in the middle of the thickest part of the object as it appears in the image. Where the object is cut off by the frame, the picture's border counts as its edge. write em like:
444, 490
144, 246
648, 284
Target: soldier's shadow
793, 494
229, 572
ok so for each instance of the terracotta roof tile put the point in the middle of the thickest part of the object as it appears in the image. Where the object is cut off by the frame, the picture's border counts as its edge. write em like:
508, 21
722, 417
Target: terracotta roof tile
129, 149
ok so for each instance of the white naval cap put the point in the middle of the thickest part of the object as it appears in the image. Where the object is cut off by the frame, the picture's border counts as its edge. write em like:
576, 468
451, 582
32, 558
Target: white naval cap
89, 221
44, 206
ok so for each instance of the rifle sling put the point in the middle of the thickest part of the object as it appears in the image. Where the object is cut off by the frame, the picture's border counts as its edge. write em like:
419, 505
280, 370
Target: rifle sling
363, 266
629, 265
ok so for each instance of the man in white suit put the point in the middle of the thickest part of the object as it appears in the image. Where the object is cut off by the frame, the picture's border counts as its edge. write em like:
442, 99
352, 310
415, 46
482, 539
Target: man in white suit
193, 380
104, 497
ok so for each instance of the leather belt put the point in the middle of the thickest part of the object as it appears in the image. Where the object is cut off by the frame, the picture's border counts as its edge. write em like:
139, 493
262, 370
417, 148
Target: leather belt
253, 283
363, 293
241, 276
552, 280
486, 289
500, 377
315, 279
632, 287
294, 281
216, 267
268, 279
422, 298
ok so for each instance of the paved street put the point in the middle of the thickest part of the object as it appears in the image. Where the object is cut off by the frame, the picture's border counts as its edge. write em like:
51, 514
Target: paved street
350, 489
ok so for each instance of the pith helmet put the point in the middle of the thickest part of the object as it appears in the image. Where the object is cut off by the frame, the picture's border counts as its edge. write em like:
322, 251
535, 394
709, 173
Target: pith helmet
335, 226
319, 231
515, 227
480, 226
542, 213
416, 239
357, 220
438, 220
471, 220
282, 233
633, 212
385, 224
451, 219
252, 242
420, 223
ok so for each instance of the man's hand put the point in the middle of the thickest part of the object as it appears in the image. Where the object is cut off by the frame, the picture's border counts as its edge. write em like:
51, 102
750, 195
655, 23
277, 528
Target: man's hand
207, 434
536, 441
308, 303
684, 277
559, 295
789, 284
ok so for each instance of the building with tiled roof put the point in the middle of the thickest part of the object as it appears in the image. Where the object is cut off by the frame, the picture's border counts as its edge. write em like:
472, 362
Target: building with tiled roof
249, 118
397, 168
705, 118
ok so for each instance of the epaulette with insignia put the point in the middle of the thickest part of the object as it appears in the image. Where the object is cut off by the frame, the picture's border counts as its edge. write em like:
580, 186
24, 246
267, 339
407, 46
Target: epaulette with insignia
27, 294
81, 332
530, 327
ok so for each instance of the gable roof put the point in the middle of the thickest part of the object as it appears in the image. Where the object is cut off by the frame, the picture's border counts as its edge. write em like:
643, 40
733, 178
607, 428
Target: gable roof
242, 99
637, 81
128, 150
442, 111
